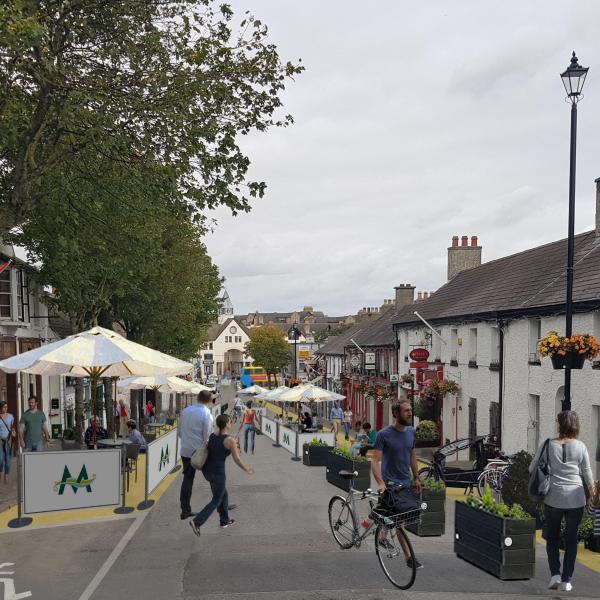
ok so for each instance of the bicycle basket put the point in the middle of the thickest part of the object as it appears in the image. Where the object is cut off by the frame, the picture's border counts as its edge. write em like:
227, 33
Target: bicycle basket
389, 519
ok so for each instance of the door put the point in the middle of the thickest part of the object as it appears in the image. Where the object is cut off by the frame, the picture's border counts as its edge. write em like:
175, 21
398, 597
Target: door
472, 425
379, 415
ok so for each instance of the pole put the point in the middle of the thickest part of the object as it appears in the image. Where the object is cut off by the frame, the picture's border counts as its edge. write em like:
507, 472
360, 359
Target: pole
123, 510
176, 467
145, 503
566, 405
296, 456
412, 400
20, 521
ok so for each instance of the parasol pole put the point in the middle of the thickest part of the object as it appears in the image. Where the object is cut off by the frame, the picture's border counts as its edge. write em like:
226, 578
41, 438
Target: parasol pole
115, 379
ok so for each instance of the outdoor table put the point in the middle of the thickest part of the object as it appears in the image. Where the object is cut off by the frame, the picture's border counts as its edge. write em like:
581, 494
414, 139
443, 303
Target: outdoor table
154, 425
109, 442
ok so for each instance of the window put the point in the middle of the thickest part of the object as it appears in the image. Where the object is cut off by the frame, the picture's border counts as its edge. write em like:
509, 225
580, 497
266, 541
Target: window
5, 295
473, 347
494, 348
208, 357
22, 296
495, 420
228, 339
238, 339
210, 345
437, 346
454, 347
405, 344
535, 335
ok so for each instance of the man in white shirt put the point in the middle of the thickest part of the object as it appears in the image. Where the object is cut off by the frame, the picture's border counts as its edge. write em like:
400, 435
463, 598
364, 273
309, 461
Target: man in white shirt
195, 427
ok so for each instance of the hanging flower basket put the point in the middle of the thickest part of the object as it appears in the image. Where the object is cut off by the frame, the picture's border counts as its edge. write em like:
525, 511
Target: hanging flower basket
569, 352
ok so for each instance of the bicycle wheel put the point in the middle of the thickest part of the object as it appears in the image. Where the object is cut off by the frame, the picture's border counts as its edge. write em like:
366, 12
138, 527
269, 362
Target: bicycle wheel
342, 522
427, 472
396, 555
482, 481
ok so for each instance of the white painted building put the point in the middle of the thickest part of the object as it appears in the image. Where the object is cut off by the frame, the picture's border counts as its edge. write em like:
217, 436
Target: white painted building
490, 319
224, 349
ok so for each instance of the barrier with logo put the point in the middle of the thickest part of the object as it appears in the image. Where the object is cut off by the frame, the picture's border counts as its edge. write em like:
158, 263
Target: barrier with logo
54, 481
160, 459
288, 438
271, 429
215, 411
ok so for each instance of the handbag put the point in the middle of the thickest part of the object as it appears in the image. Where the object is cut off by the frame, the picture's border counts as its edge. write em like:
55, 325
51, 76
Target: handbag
199, 457
539, 478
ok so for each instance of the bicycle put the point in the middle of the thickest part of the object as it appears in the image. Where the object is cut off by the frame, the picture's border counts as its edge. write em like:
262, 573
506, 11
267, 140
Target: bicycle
392, 546
493, 475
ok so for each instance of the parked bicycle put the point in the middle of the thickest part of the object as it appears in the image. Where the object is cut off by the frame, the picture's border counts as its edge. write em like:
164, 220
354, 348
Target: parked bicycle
494, 475
392, 546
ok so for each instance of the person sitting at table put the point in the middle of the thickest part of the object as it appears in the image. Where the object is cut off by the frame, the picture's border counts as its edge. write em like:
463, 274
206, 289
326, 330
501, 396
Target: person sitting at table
361, 438
88, 436
371, 435
135, 436
307, 422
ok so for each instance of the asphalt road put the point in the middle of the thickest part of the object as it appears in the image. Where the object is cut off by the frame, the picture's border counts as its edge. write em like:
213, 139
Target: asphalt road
279, 548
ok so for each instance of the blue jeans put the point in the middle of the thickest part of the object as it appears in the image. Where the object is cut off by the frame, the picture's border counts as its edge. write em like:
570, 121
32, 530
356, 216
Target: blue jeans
554, 517
220, 499
34, 446
346, 429
5, 457
248, 428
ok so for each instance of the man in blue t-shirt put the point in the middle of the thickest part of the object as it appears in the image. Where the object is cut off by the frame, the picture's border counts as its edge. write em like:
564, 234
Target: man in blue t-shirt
394, 457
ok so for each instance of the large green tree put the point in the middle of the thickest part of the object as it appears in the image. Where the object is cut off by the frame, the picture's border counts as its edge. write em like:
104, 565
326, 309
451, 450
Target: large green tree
171, 81
269, 349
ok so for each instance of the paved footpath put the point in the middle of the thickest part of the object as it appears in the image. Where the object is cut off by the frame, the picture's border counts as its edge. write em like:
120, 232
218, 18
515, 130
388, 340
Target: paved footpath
279, 548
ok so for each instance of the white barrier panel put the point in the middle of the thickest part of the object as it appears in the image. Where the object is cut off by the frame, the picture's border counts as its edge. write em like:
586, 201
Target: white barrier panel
215, 411
287, 438
67, 480
269, 428
161, 457
307, 438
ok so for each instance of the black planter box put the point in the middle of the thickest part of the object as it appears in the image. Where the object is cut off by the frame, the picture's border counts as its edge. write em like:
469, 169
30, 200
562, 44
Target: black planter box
573, 360
592, 543
503, 547
336, 463
315, 456
433, 520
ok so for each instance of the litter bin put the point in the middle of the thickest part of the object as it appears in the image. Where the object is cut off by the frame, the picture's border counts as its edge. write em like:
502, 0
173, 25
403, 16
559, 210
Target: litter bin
56, 431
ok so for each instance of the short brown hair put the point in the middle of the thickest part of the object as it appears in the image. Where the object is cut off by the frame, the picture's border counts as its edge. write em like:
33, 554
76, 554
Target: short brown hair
205, 396
222, 421
568, 424
396, 407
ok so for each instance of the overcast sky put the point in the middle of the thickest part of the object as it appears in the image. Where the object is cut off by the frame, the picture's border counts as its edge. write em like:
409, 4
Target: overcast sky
414, 122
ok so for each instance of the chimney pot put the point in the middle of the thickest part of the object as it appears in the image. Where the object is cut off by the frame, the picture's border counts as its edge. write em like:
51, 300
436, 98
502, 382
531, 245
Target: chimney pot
455, 240
420, 296
473, 240
464, 241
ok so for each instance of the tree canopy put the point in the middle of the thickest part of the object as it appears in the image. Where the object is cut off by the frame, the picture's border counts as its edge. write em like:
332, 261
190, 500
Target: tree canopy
170, 82
269, 348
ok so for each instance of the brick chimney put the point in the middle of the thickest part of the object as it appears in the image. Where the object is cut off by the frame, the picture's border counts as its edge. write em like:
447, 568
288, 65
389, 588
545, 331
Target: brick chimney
598, 207
405, 295
463, 257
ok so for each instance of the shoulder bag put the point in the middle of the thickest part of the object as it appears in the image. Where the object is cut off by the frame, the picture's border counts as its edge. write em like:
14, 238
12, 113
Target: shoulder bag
199, 457
539, 478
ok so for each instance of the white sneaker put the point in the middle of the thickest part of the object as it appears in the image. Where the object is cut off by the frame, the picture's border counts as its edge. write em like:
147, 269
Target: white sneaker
554, 582
566, 586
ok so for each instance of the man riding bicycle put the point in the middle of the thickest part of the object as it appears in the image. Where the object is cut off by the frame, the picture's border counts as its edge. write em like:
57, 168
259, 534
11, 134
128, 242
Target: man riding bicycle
238, 409
394, 456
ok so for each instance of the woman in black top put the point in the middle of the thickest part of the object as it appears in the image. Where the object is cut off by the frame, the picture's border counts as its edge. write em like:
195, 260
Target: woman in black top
307, 421
220, 446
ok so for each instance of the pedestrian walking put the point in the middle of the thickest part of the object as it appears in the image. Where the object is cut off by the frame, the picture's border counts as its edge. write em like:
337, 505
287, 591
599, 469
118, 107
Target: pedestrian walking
394, 457
570, 471
220, 446
122, 418
33, 429
347, 422
335, 416
249, 423
195, 426
149, 409
7, 438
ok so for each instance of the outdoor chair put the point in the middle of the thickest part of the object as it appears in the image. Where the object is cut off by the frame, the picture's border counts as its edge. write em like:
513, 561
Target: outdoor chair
69, 445
132, 452
169, 423
149, 437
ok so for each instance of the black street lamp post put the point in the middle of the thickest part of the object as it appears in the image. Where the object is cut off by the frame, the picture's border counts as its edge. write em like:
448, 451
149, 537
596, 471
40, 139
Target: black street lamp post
294, 334
573, 79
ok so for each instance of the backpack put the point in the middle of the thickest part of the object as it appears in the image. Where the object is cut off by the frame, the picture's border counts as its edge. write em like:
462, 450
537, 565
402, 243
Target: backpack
539, 478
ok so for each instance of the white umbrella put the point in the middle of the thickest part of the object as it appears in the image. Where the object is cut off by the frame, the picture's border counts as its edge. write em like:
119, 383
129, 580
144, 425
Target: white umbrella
273, 395
160, 383
309, 392
95, 353
254, 389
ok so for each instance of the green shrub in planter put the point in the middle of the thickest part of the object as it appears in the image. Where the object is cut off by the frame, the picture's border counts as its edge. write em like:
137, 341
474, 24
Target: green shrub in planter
433, 520
514, 486
427, 434
315, 453
495, 537
340, 459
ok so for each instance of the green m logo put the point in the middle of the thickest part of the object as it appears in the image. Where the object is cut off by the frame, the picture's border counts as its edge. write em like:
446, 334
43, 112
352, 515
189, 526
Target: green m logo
286, 438
164, 458
67, 480
268, 427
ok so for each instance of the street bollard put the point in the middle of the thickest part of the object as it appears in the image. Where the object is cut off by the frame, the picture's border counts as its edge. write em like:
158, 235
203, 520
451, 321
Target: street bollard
123, 510
20, 521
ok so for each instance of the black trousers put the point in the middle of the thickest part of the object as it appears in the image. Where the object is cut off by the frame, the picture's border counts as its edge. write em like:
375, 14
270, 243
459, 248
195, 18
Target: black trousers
185, 495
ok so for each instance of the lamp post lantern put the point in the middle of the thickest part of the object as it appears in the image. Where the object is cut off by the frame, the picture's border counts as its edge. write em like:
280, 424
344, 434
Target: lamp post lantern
573, 79
294, 334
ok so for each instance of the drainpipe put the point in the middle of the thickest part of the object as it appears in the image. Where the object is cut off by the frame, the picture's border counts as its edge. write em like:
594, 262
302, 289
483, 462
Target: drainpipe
501, 325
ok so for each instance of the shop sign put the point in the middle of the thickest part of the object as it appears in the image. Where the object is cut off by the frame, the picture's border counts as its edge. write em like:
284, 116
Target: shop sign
419, 354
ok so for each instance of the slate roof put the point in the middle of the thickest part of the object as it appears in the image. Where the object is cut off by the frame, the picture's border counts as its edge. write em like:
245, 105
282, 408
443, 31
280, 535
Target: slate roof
336, 344
523, 283
215, 330
380, 332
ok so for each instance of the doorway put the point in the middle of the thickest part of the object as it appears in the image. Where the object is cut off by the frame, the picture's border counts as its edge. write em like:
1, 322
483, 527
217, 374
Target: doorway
472, 425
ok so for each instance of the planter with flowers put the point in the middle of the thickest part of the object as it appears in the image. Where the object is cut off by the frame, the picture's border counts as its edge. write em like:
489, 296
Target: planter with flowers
569, 352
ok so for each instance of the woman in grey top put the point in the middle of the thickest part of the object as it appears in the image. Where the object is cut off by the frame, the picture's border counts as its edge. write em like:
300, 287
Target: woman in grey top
569, 471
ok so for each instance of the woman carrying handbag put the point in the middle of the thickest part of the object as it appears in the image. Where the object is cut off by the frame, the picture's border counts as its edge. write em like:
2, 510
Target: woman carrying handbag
569, 472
